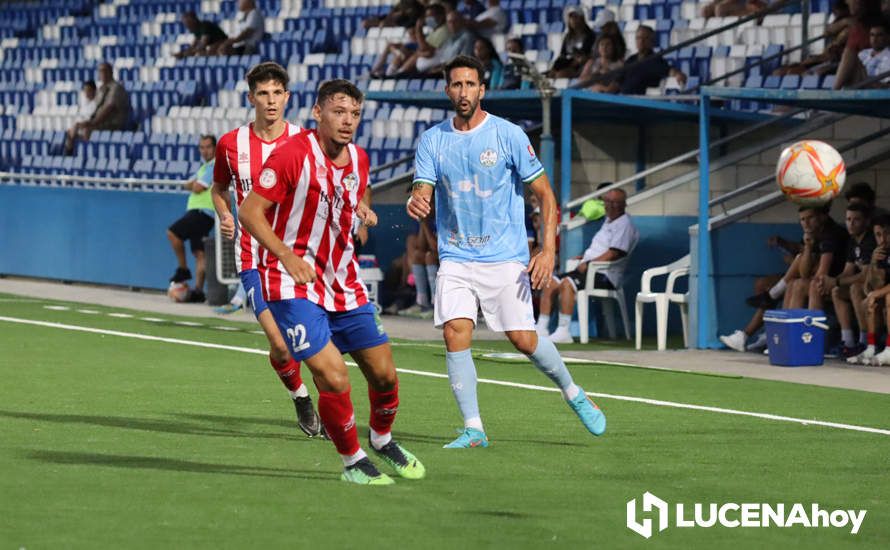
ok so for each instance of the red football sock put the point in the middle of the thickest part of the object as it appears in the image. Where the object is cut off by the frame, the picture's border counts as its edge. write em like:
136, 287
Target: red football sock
870, 338
335, 410
384, 406
888, 340
289, 373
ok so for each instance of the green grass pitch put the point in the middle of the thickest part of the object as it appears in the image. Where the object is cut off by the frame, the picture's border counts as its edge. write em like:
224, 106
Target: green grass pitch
115, 442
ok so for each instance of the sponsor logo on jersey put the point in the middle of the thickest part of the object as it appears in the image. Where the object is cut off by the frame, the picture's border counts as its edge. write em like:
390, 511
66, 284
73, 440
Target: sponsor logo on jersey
488, 158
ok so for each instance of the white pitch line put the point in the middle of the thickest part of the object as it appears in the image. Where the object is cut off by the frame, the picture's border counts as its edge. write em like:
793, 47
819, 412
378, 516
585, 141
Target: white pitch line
188, 323
57, 308
647, 401
87, 311
121, 315
153, 319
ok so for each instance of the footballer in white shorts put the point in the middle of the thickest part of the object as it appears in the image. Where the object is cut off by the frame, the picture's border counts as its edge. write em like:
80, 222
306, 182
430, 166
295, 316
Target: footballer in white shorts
501, 289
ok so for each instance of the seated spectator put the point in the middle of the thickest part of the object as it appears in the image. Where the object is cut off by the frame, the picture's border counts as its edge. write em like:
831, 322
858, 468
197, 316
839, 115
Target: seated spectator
459, 42
614, 240
427, 43
611, 28
404, 13
87, 102
207, 34
250, 26
606, 61
876, 287
112, 110
512, 79
394, 55
577, 45
197, 222
836, 37
846, 288
732, 8
865, 14
645, 69
484, 51
824, 254
876, 59
490, 22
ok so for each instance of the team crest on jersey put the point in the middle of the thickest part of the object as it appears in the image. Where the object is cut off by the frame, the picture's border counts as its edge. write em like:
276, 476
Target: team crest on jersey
488, 158
268, 178
350, 182
531, 151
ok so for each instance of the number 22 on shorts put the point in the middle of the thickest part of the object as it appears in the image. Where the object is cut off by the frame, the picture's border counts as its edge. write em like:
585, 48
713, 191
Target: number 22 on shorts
297, 336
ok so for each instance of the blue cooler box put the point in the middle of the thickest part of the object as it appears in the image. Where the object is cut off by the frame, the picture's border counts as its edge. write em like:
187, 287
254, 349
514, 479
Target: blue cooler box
795, 337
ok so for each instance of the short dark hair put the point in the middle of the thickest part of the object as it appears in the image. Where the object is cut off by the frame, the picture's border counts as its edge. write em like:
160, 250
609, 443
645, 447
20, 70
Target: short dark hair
330, 88
211, 137
860, 190
89, 84
265, 71
823, 208
464, 61
882, 220
859, 207
191, 14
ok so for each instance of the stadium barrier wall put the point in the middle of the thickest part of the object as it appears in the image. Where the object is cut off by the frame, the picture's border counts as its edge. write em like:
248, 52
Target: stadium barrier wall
118, 238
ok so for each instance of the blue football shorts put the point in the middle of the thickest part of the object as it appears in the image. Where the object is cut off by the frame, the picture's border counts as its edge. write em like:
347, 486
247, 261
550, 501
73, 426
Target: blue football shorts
250, 278
307, 327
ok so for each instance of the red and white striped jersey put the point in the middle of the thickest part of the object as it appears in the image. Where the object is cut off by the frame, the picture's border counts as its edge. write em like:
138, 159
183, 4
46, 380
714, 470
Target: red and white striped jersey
240, 155
316, 206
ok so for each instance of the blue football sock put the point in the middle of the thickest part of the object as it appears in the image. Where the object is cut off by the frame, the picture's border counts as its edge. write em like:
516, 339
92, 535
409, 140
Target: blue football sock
547, 360
462, 375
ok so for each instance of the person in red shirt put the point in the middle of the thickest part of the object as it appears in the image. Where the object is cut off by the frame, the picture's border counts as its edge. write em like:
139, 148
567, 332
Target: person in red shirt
239, 158
301, 211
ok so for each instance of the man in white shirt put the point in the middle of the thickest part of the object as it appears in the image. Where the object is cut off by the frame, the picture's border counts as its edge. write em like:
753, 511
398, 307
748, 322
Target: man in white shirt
615, 240
88, 101
490, 22
876, 60
250, 26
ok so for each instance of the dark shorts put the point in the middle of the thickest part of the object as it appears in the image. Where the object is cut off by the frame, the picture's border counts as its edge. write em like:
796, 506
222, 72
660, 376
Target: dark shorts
578, 279
307, 327
250, 280
193, 226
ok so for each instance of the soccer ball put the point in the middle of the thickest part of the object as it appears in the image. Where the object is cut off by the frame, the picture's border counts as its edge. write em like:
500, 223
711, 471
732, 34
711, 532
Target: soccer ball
810, 172
177, 291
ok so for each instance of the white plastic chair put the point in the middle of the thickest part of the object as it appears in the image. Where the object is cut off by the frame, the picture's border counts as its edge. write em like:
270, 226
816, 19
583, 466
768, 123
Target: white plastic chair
582, 299
662, 300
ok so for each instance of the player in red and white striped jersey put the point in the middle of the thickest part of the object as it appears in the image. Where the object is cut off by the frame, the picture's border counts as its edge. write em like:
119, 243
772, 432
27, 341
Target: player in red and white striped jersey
240, 155
301, 211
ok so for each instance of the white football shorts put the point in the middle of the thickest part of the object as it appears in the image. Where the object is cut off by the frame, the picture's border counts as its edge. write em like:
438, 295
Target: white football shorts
502, 290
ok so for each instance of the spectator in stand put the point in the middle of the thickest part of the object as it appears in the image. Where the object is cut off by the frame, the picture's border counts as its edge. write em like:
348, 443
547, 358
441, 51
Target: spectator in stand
732, 8
644, 69
484, 51
490, 22
865, 13
250, 26
875, 288
427, 44
208, 36
397, 280
512, 79
611, 28
604, 16
404, 14
875, 60
470, 8
112, 110
827, 61
577, 45
606, 61
88, 102
197, 222
460, 42
394, 55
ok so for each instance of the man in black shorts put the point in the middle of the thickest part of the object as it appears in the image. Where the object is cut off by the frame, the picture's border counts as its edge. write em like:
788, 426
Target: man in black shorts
197, 222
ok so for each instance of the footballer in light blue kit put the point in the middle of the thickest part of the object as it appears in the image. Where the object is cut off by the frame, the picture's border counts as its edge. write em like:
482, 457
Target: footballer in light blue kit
476, 166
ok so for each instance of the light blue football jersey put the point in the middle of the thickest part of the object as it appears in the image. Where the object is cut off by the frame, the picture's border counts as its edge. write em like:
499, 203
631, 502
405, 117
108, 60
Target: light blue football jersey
479, 178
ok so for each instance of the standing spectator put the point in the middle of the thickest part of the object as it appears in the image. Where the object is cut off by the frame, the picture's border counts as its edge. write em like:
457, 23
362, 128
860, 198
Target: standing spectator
512, 79
614, 240
208, 36
112, 110
404, 14
490, 22
644, 69
606, 61
576, 45
250, 26
484, 51
88, 101
197, 222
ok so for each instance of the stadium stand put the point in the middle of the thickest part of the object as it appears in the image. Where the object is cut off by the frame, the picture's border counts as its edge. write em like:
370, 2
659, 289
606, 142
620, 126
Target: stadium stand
49, 47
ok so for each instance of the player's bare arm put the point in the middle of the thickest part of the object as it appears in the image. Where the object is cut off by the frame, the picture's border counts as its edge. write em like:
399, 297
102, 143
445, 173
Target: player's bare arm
540, 268
223, 205
419, 204
252, 216
364, 212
